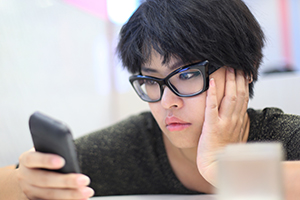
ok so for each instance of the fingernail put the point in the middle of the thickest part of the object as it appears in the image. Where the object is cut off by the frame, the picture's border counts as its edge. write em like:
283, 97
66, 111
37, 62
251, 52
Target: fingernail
212, 82
83, 180
230, 69
88, 192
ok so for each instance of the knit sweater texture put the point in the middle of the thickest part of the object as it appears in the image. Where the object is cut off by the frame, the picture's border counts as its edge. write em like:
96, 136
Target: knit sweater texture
130, 157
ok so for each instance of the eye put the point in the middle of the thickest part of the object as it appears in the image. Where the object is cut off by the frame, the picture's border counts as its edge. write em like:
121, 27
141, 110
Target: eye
150, 82
188, 75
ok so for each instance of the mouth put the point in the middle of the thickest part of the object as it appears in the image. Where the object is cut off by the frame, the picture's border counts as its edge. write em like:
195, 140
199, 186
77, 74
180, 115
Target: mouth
175, 124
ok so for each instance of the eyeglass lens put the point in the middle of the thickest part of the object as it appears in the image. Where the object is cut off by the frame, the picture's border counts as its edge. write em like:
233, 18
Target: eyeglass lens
186, 82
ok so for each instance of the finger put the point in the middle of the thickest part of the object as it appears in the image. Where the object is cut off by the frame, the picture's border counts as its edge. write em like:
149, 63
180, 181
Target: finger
239, 114
242, 93
243, 128
48, 179
54, 194
211, 110
33, 159
229, 100
244, 106
247, 96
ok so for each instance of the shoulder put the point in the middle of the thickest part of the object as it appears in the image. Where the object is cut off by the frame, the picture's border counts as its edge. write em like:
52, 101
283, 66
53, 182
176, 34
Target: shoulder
132, 138
270, 118
272, 124
264, 112
126, 131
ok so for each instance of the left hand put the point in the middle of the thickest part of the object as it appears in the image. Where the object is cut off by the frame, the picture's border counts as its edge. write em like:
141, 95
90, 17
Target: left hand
224, 124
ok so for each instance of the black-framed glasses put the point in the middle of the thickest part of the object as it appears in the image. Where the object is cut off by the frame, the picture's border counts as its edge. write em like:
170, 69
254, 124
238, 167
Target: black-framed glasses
186, 81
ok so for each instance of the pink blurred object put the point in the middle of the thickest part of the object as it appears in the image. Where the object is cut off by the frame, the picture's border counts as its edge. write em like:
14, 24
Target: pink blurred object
94, 7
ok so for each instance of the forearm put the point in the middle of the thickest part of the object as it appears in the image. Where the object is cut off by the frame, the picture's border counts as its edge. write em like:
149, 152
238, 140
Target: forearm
9, 185
291, 179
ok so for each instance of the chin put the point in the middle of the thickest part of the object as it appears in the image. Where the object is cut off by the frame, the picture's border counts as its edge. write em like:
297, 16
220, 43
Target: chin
182, 139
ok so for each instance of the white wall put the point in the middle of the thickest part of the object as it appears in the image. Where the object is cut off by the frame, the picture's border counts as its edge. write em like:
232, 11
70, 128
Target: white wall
268, 14
278, 90
57, 59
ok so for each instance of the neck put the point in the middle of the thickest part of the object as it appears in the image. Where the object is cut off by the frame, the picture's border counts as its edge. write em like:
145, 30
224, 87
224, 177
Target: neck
183, 163
190, 154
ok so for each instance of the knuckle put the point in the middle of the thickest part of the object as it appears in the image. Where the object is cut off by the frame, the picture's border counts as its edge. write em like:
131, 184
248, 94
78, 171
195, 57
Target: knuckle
240, 120
232, 98
27, 160
19, 176
70, 181
27, 190
242, 93
247, 99
213, 106
23, 159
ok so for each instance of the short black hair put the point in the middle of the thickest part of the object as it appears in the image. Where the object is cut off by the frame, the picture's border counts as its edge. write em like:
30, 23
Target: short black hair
224, 32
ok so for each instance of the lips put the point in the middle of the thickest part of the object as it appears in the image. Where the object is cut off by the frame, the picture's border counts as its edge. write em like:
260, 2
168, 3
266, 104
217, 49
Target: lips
175, 124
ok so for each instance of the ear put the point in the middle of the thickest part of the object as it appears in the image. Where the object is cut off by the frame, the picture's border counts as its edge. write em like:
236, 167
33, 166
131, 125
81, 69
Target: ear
250, 79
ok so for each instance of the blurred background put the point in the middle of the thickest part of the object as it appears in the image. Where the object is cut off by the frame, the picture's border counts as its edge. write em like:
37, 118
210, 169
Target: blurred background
58, 57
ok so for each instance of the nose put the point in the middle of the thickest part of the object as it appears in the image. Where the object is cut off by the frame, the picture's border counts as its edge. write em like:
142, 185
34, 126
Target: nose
170, 100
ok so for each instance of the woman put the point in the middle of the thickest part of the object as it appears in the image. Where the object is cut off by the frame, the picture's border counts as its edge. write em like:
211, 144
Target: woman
195, 62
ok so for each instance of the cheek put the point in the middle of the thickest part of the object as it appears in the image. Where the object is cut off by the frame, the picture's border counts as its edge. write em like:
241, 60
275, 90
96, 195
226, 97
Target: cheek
196, 108
156, 110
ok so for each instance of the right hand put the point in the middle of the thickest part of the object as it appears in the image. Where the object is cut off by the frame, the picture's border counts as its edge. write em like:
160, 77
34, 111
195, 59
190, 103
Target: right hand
225, 122
39, 184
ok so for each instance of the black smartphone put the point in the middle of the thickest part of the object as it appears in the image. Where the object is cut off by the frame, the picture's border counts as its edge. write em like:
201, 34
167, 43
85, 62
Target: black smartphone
52, 136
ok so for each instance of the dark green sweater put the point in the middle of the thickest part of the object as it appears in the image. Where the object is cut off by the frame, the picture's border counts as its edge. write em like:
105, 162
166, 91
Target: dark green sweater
130, 157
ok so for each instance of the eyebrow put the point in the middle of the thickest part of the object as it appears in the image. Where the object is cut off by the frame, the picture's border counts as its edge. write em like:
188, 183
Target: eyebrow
171, 67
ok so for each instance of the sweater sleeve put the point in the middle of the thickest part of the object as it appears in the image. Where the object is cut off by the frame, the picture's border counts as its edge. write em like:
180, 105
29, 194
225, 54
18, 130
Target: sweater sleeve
272, 124
293, 145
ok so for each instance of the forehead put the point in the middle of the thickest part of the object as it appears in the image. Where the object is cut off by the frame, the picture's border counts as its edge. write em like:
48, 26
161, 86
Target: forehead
156, 65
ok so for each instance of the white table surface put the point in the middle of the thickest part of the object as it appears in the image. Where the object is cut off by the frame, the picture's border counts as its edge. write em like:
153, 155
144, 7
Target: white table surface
157, 197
